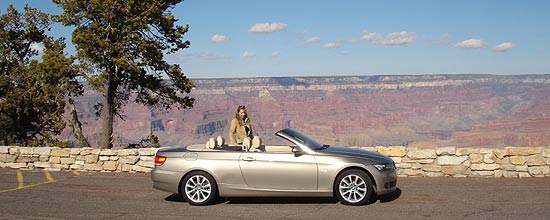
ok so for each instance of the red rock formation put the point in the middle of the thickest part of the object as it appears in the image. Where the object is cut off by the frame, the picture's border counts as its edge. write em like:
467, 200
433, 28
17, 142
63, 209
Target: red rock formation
447, 110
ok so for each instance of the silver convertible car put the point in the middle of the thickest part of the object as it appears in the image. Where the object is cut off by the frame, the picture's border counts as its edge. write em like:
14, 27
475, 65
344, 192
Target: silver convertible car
305, 168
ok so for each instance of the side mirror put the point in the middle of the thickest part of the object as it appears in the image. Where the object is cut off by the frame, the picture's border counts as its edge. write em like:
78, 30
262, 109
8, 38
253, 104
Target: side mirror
297, 151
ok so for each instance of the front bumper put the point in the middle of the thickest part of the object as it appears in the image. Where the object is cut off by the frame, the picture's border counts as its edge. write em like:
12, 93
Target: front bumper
386, 182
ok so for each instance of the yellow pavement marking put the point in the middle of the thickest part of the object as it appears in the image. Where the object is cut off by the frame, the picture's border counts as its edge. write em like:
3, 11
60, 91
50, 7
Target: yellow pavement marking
22, 186
19, 179
48, 176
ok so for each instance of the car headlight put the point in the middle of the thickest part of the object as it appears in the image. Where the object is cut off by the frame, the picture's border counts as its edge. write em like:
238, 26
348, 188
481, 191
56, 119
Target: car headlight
383, 166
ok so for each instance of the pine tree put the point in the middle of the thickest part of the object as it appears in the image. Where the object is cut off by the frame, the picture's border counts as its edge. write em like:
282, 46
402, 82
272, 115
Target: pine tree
125, 42
33, 83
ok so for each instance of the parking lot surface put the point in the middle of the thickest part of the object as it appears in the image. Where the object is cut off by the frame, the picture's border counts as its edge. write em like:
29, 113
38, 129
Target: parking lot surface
38, 194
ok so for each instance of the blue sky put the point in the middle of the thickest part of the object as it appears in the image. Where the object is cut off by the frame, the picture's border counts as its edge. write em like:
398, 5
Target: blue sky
256, 38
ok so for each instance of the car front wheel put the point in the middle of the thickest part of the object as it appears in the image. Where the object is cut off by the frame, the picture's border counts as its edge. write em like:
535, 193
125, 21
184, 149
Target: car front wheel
353, 187
199, 188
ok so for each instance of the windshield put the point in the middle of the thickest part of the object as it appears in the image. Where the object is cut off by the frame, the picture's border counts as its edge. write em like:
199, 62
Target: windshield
303, 139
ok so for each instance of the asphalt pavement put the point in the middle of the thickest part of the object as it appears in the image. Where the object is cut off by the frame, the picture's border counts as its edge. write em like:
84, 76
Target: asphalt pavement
39, 194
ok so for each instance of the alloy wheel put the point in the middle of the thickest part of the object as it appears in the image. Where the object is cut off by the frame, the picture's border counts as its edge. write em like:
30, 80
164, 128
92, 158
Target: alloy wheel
353, 188
198, 188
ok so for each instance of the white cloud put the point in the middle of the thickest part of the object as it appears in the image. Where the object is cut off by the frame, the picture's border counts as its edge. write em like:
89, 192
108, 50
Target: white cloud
211, 56
219, 38
247, 54
275, 54
503, 47
266, 28
350, 41
471, 44
331, 45
178, 57
392, 39
201, 55
444, 40
37, 47
313, 40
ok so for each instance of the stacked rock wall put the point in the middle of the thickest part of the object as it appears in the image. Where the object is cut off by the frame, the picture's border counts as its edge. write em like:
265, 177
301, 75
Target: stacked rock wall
470, 162
82, 159
447, 161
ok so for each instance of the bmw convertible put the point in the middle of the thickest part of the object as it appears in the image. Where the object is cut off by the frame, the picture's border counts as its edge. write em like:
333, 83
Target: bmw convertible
201, 173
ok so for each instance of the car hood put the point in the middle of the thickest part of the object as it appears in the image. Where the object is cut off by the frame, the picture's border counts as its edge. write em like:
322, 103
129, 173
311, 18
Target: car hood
354, 152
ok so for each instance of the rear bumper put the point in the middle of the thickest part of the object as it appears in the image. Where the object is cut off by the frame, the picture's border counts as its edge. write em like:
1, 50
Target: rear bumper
166, 180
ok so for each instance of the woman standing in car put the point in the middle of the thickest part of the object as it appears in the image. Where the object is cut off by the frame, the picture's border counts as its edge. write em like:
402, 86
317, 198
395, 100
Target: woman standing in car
240, 127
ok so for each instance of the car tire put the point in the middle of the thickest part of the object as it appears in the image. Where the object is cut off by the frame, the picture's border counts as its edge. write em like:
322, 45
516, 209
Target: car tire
353, 187
199, 188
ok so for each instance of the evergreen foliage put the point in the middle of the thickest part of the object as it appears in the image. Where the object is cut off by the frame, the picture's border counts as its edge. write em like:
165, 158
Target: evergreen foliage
32, 87
124, 42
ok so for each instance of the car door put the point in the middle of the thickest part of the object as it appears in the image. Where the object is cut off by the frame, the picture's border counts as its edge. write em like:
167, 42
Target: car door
284, 171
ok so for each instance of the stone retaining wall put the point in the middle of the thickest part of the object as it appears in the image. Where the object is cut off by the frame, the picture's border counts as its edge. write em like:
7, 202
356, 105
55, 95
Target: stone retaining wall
446, 161
81, 159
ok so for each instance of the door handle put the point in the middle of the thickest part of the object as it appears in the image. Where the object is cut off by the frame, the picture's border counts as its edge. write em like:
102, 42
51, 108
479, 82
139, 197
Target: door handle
249, 159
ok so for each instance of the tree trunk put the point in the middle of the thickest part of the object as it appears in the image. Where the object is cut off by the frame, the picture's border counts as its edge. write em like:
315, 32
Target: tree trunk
108, 111
77, 126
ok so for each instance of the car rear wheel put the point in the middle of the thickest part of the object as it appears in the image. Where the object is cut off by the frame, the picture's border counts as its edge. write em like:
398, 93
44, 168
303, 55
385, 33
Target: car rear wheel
353, 187
199, 188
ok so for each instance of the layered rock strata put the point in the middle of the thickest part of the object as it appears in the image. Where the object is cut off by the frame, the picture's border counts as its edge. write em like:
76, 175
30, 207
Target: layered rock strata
508, 162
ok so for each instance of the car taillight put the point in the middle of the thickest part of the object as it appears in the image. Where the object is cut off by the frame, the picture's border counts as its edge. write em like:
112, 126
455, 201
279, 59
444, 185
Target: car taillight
159, 160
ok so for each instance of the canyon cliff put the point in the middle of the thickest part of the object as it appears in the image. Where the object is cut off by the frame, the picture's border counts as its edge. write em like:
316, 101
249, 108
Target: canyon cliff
408, 110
